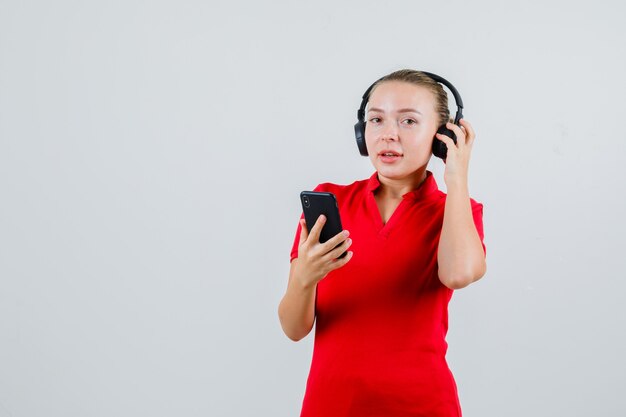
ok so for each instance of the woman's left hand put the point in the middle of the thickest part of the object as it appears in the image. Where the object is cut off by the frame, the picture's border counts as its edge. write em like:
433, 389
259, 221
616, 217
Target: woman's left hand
457, 159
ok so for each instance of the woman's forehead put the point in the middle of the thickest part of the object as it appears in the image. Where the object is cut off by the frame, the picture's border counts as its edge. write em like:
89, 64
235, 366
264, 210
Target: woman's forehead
400, 94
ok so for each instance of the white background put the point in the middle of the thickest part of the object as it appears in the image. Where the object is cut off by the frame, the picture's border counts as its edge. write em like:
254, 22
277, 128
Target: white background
151, 156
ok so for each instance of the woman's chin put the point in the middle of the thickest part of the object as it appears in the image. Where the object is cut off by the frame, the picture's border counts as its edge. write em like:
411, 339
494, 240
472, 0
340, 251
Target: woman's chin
398, 172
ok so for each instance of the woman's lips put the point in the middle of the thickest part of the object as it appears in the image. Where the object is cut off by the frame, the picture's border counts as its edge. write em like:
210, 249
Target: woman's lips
389, 157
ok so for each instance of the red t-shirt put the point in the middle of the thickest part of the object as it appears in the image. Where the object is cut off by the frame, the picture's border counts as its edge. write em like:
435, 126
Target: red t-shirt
381, 320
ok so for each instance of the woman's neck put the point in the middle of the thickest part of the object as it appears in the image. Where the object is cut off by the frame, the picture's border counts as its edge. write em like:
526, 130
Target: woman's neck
395, 188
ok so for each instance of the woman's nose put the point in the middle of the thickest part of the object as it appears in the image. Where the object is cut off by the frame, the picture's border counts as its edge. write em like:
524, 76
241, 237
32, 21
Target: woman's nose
389, 133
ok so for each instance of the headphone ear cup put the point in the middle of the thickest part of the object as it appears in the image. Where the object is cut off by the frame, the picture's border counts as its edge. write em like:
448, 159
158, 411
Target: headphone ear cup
440, 149
359, 133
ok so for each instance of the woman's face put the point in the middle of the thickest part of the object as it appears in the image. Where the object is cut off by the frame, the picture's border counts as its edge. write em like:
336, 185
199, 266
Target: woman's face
401, 125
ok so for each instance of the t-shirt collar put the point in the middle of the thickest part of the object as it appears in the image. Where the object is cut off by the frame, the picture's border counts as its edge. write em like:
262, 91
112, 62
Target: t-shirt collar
427, 187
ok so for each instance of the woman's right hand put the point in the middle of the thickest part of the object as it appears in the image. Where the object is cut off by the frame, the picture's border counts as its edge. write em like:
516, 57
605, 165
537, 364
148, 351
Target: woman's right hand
315, 260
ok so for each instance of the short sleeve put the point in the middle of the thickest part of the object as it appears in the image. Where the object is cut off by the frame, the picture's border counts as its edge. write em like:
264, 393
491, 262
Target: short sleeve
477, 214
296, 241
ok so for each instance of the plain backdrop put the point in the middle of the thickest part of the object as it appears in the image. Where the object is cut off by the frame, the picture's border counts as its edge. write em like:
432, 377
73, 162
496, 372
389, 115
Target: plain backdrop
151, 157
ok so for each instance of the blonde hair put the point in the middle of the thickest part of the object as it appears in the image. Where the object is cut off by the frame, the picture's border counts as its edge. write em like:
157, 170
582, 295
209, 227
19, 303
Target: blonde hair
419, 78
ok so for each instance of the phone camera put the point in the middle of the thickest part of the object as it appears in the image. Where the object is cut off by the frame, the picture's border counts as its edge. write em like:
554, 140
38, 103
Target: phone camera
306, 201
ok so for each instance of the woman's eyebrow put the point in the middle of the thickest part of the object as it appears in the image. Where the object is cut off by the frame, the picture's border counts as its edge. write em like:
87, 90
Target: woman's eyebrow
406, 110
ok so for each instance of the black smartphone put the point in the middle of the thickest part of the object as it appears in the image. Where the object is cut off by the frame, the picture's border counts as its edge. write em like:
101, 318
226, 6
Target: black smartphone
314, 204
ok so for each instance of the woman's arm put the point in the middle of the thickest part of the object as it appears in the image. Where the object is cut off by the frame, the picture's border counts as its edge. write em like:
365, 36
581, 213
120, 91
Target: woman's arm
460, 255
297, 308
315, 260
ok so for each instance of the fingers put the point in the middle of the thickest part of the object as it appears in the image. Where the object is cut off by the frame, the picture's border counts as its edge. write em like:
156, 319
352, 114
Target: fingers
464, 135
321, 258
335, 240
317, 228
460, 134
339, 262
447, 140
340, 250
316, 261
471, 135
333, 252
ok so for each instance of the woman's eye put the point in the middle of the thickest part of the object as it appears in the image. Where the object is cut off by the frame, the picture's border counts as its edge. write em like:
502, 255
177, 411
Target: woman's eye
375, 119
410, 121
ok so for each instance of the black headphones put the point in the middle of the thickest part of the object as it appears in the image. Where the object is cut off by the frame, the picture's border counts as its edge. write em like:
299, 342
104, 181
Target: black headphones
439, 148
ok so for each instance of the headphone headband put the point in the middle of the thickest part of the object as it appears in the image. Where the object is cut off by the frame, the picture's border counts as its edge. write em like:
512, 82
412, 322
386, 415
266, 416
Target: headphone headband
457, 97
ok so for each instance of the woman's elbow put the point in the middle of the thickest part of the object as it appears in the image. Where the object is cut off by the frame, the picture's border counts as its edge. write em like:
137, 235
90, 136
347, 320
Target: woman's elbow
290, 330
295, 336
455, 280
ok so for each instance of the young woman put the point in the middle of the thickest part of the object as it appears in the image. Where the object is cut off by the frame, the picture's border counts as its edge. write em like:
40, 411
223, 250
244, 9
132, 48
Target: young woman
381, 312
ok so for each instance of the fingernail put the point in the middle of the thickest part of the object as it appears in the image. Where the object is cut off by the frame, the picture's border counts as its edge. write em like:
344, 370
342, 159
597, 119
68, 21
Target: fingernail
346, 233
